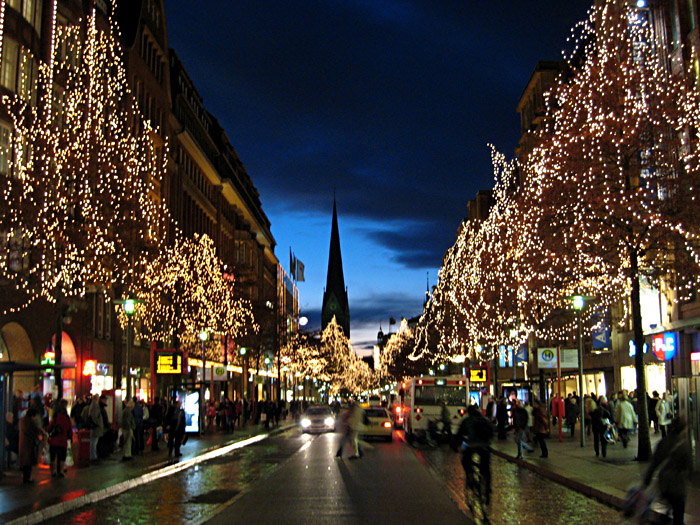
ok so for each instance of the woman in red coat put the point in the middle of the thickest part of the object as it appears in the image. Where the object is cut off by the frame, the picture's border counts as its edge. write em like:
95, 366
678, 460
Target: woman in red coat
60, 435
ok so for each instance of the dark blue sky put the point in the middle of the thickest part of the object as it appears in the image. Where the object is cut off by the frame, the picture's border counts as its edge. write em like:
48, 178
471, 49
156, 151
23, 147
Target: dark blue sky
390, 103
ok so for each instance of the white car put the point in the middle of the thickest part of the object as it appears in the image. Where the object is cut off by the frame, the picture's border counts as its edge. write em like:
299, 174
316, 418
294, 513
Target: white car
317, 419
378, 423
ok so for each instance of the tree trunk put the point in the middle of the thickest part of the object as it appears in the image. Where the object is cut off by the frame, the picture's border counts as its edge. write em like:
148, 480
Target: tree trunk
644, 443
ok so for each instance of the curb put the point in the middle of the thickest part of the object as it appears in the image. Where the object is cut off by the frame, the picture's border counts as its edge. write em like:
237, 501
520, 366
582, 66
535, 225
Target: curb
586, 490
57, 509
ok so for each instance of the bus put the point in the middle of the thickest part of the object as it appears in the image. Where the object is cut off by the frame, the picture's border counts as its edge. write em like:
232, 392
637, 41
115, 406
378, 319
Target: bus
422, 396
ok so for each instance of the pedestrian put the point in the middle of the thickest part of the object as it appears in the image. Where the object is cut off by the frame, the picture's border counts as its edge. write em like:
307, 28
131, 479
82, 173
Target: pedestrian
11, 437
76, 412
601, 419
211, 414
128, 426
625, 417
652, 402
674, 461
491, 410
589, 405
663, 414
571, 414
502, 417
30, 436
92, 420
446, 420
156, 423
540, 426
238, 409
344, 427
138, 445
520, 425
530, 419
175, 421
60, 431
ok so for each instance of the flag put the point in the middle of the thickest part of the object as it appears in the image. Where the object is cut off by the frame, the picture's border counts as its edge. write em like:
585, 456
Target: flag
292, 265
300, 271
392, 320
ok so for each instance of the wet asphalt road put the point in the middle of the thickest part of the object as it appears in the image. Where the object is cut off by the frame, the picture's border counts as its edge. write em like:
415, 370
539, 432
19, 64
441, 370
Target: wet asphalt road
299, 473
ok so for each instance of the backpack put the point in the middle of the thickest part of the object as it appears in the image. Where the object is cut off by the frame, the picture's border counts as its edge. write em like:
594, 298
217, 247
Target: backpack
483, 429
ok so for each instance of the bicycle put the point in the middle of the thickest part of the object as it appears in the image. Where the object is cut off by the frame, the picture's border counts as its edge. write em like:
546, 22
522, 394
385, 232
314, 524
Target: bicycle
478, 491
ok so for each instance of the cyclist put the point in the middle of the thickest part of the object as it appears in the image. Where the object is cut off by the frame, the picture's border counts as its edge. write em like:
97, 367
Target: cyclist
476, 432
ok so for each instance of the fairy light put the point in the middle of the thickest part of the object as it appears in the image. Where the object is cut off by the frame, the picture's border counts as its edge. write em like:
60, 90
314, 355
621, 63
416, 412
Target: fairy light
608, 194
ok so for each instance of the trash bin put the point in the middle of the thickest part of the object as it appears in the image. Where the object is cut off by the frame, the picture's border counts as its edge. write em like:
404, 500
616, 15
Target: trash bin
83, 452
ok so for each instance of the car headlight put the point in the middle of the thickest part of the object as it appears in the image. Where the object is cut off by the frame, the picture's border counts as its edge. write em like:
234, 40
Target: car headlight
306, 422
329, 421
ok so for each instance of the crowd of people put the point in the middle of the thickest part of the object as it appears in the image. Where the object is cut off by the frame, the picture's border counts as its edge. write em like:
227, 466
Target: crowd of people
38, 427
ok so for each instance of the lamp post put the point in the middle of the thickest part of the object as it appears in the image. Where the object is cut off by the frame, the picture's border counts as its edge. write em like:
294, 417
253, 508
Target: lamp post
203, 337
579, 302
129, 306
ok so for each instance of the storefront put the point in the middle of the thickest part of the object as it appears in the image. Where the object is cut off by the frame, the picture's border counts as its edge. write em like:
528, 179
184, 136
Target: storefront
658, 350
101, 376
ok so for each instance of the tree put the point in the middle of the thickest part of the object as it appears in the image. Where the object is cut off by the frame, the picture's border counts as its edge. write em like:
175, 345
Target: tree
394, 362
613, 182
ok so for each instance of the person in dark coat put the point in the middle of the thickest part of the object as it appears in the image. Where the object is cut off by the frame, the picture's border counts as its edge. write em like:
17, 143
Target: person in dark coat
502, 417
175, 421
539, 426
30, 435
156, 421
601, 417
571, 412
60, 436
11, 436
674, 460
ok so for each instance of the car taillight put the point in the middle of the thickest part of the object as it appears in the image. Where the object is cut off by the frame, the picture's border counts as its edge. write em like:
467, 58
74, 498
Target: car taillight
461, 411
419, 410
386, 424
398, 410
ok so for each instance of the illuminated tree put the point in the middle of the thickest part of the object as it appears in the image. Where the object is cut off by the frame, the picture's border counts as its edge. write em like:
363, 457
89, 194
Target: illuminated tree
186, 292
80, 201
344, 369
394, 363
612, 185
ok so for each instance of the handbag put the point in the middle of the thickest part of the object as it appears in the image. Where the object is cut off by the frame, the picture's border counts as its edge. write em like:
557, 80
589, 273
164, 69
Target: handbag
69, 456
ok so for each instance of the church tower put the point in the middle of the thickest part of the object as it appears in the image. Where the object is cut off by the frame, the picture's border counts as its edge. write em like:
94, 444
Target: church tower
335, 296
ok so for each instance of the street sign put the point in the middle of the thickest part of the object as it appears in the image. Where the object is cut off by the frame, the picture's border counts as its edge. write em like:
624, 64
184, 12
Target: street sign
477, 375
169, 363
547, 357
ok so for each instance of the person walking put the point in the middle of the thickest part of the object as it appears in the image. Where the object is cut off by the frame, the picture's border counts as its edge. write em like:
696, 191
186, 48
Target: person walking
138, 444
446, 420
674, 461
625, 417
175, 421
520, 426
92, 419
502, 418
60, 432
30, 435
589, 405
601, 418
571, 413
128, 426
156, 423
663, 414
540, 426
356, 423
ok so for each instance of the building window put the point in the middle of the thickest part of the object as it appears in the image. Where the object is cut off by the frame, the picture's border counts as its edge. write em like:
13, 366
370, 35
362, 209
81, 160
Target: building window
8, 71
5, 151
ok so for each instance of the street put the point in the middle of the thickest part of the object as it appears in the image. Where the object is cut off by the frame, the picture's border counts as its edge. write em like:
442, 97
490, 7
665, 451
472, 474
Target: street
295, 478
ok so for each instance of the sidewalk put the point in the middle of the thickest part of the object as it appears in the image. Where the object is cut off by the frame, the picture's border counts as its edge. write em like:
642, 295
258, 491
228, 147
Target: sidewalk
50, 497
578, 468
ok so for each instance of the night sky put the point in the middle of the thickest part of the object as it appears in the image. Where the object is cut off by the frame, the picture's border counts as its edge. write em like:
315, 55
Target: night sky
388, 103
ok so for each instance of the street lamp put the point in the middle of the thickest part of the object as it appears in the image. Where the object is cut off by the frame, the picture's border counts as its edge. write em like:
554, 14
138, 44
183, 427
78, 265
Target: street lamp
579, 303
129, 306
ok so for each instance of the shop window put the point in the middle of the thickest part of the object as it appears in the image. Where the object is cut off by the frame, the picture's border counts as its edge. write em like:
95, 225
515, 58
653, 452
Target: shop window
5, 147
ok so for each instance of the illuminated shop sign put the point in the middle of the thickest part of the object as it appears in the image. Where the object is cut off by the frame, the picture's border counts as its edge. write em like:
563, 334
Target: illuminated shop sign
477, 375
93, 368
169, 363
665, 345
633, 349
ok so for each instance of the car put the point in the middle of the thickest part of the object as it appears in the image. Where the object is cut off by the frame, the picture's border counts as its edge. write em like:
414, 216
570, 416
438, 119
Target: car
317, 419
378, 423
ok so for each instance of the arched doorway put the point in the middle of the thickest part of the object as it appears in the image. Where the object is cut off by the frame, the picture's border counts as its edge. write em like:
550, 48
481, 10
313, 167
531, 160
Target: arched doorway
19, 349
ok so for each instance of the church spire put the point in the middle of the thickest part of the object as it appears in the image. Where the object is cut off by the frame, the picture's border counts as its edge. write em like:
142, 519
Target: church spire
335, 297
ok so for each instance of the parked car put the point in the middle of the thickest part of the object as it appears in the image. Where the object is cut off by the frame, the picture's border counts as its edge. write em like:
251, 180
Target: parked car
317, 419
378, 423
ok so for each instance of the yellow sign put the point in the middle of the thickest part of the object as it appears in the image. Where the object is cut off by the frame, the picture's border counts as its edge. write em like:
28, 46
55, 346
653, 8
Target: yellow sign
477, 375
170, 363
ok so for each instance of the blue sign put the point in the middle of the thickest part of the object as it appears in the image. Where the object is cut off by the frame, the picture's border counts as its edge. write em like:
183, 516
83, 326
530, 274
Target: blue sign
521, 354
633, 348
505, 356
601, 330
